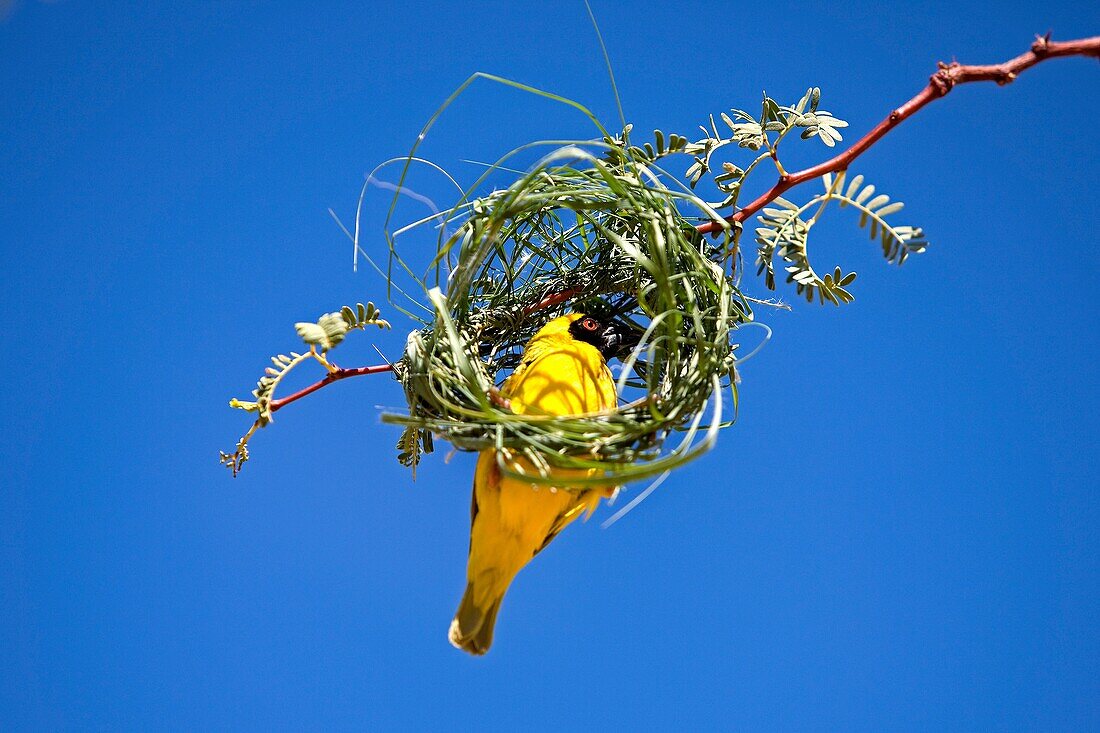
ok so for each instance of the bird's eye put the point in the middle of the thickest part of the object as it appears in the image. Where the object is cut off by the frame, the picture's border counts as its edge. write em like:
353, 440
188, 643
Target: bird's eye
589, 324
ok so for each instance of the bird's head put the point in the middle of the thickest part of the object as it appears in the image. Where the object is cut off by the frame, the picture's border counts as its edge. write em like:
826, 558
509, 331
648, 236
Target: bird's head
609, 337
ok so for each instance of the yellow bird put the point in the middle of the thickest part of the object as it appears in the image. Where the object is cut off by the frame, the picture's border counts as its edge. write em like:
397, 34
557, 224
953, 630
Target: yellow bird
563, 372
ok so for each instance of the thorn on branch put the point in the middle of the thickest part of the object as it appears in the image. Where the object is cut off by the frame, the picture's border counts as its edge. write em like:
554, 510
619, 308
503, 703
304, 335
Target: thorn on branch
1041, 44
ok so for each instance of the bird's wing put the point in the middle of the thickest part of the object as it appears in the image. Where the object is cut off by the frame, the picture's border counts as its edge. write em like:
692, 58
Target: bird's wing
586, 502
485, 472
473, 516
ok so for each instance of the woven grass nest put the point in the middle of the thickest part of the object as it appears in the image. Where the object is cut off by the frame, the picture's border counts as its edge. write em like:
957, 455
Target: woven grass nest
598, 227
594, 230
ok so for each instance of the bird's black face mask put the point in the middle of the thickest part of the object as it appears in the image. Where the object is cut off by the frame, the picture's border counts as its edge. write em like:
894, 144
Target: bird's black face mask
610, 339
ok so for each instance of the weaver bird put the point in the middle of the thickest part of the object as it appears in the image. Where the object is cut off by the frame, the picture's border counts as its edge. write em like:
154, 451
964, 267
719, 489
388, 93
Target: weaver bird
563, 372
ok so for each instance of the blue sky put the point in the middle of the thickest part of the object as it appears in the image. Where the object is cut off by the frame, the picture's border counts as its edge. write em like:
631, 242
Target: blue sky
900, 533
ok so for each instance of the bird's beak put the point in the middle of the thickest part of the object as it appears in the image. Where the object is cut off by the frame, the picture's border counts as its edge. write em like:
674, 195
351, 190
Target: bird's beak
616, 339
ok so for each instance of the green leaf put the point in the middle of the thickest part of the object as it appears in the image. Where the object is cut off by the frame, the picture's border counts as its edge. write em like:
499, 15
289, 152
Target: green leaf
877, 201
854, 185
311, 333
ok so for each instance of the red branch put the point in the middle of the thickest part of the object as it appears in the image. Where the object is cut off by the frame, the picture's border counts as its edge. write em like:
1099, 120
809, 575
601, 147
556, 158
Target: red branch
943, 81
336, 375
550, 301
333, 376
939, 85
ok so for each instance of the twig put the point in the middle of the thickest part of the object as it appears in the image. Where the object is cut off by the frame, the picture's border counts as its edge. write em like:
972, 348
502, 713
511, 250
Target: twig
940, 83
337, 374
332, 376
551, 300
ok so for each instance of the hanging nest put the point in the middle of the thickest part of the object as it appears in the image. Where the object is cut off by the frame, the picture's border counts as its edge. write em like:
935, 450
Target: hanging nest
597, 227
601, 235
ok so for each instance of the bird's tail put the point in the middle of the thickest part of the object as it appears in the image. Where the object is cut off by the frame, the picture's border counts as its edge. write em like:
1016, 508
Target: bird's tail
472, 627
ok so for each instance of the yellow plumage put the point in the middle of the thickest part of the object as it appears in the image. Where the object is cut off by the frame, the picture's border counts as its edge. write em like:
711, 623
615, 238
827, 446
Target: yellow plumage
512, 520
